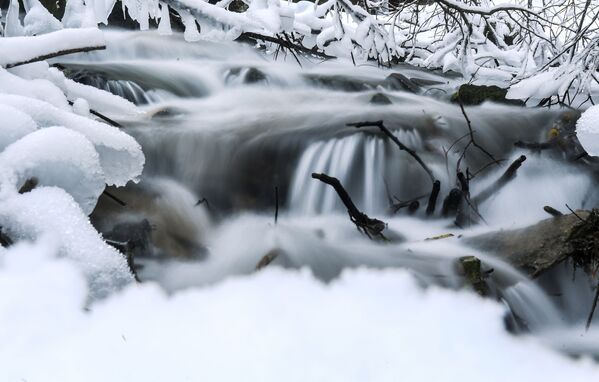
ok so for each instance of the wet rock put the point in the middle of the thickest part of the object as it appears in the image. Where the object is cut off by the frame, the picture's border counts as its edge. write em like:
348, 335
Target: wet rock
136, 235
476, 94
537, 248
397, 81
342, 83
253, 76
380, 99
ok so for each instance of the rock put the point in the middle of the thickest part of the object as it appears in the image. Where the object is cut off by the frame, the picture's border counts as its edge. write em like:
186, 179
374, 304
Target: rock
137, 235
537, 248
397, 81
471, 268
342, 83
380, 99
253, 76
477, 94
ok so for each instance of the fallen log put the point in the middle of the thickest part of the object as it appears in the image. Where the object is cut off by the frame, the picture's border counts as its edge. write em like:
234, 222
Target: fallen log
537, 248
364, 223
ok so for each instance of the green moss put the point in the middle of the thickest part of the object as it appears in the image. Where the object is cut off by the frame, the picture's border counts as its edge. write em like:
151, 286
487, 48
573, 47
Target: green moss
477, 94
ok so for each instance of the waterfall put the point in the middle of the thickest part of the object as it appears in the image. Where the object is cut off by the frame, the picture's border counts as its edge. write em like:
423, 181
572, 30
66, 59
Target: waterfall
225, 124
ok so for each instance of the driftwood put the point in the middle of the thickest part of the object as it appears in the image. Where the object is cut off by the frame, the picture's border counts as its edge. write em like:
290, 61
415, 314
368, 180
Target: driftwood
364, 223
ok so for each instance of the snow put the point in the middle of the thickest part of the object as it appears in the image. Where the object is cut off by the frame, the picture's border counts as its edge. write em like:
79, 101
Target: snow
272, 326
39, 20
16, 124
51, 211
121, 157
22, 49
587, 130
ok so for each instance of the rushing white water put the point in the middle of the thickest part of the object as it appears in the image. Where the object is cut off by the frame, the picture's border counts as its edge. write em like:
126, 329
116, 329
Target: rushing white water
224, 123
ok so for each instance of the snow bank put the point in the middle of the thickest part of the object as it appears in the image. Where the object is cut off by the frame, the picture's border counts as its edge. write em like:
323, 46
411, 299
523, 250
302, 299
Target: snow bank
272, 326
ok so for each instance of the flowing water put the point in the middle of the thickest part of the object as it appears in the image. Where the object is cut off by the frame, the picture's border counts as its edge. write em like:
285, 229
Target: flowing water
227, 124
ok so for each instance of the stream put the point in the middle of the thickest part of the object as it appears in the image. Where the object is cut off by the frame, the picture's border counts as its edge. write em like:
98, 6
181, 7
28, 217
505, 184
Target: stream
227, 124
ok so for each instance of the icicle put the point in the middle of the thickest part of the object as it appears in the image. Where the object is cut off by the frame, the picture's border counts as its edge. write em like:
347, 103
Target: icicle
191, 29
39, 20
164, 28
13, 23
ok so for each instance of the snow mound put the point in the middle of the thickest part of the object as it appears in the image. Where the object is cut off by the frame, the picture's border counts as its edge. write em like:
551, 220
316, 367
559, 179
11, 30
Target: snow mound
16, 124
121, 157
50, 211
272, 326
55, 156
587, 130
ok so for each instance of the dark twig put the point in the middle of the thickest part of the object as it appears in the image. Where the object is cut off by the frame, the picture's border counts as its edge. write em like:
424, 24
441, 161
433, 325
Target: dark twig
552, 211
202, 201
471, 131
276, 204
508, 175
103, 117
54, 54
364, 223
432, 200
111, 196
575, 214
590, 319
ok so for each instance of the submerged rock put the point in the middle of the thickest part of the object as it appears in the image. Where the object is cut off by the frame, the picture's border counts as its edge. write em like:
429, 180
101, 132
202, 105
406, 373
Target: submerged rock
380, 99
397, 81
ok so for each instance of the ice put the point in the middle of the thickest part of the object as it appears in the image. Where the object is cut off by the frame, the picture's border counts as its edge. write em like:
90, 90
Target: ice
78, 15
164, 28
38, 20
